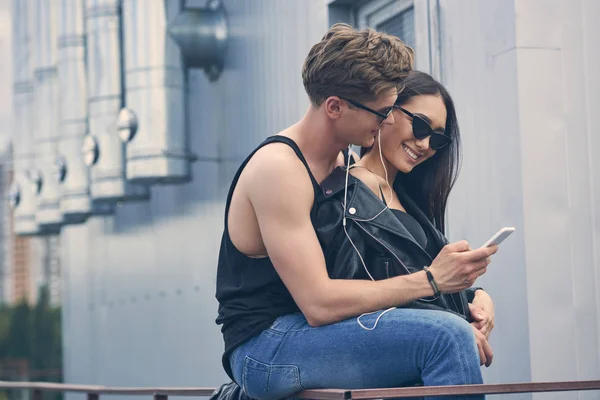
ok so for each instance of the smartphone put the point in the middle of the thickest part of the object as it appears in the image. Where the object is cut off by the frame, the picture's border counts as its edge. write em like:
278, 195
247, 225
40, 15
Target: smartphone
499, 236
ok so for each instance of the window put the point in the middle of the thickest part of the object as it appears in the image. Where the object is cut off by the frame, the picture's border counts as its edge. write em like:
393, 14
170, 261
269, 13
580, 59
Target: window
416, 22
401, 25
396, 17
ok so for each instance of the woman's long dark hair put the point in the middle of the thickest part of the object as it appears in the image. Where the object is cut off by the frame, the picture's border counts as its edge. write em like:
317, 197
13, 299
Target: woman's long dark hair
429, 184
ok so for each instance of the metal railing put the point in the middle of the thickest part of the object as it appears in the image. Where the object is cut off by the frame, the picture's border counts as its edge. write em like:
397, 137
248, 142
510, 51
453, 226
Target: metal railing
93, 392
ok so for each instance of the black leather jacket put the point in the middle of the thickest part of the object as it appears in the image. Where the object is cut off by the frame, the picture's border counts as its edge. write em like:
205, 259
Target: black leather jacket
386, 246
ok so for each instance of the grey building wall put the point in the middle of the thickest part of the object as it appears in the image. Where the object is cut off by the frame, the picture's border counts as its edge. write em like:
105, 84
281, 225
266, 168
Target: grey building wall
480, 71
138, 287
521, 75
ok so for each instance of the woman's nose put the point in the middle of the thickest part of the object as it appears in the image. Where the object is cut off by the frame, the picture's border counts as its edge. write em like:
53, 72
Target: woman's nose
423, 143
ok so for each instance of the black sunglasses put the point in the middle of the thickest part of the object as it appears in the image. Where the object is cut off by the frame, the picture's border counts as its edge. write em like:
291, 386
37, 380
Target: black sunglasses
382, 116
421, 130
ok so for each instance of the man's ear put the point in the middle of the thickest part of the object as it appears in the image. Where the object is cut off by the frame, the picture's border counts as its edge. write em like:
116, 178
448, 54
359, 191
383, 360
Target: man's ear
333, 107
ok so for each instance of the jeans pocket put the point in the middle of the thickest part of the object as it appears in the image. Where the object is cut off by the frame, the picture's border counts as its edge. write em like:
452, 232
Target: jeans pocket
270, 382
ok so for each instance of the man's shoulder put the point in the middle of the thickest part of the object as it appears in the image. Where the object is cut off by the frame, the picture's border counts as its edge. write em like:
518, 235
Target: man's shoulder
275, 152
275, 159
276, 169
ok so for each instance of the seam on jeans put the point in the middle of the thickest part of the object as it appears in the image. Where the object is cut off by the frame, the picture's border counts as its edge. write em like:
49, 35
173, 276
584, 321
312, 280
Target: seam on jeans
278, 348
244, 384
232, 359
283, 338
244, 373
460, 353
276, 332
268, 378
283, 365
291, 328
299, 379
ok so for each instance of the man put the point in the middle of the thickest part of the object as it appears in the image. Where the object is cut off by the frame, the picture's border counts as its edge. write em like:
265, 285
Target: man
287, 326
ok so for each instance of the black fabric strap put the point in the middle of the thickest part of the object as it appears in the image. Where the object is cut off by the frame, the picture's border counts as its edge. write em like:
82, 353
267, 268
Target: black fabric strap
432, 281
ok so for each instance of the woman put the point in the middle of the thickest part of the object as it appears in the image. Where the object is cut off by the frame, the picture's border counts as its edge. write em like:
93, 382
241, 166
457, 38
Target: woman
409, 172
395, 200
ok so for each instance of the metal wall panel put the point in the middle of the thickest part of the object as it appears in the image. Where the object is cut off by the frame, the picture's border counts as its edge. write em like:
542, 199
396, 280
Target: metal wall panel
479, 69
521, 78
558, 186
590, 39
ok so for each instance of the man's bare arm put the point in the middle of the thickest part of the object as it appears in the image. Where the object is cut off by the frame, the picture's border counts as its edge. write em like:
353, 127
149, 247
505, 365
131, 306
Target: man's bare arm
281, 193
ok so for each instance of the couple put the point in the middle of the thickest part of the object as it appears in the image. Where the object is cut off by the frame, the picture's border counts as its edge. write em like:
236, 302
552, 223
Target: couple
333, 269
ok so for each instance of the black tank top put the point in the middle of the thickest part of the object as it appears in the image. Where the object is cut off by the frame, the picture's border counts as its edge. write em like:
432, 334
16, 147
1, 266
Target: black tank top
250, 293
413, 226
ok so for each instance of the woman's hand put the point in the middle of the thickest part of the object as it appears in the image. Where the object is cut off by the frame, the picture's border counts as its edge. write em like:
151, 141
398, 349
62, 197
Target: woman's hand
486, 355
457, 267
482, 312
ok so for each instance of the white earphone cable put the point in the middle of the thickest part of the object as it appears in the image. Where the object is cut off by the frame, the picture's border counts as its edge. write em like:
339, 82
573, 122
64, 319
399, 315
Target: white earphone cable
366, 220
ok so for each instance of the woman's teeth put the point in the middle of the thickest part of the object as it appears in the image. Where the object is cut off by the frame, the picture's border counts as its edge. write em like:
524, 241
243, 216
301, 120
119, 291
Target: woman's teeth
410, 153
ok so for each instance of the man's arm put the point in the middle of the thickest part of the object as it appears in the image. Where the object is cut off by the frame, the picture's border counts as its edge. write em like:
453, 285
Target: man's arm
282, 195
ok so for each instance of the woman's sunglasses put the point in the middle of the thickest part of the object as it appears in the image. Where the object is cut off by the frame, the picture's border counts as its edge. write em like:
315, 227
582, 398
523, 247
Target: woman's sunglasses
421, 130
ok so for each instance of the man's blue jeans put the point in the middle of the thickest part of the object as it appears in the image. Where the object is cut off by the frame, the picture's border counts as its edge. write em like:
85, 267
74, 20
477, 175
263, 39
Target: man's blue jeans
407, 345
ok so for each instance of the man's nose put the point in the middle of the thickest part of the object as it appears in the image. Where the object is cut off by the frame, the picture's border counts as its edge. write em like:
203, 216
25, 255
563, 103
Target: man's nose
389, 120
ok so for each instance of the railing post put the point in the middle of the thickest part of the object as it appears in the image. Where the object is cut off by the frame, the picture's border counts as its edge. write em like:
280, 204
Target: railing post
92, 396
161, 397
36, 394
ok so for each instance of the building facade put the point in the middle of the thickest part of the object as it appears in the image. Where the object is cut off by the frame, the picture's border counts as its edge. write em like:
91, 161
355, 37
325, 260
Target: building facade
165, 119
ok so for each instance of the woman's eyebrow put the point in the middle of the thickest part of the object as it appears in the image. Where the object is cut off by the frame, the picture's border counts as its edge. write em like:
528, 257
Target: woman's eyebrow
428, 120
425, 117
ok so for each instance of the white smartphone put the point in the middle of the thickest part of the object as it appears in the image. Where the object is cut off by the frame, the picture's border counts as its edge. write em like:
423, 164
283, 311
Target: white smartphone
499, 236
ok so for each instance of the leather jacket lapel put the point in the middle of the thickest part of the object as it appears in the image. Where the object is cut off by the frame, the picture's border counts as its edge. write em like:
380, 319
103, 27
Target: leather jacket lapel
363, 205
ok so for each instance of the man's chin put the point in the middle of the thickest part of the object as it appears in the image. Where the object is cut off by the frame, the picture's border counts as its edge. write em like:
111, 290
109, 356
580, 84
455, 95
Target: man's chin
369, 142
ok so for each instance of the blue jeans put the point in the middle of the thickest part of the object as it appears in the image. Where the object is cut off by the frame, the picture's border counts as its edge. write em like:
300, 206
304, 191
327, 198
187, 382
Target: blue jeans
407, 345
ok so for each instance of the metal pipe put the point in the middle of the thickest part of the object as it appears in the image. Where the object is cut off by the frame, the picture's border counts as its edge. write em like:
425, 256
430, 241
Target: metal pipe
154, 122
22, 198
70, 170
202, 34
46, 98
162, 40
102, 149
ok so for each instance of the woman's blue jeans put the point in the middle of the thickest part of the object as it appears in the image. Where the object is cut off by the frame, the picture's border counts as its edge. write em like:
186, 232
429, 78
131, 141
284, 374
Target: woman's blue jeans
406, 346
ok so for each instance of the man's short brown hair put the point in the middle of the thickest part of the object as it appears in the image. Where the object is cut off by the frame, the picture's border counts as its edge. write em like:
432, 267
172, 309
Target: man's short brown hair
356, 64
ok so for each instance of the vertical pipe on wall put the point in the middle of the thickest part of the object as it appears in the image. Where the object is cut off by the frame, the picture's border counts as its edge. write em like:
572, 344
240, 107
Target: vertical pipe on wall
46, 100
102, 149
70, 170
22, 197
